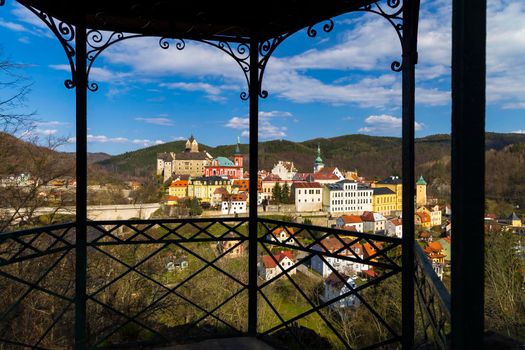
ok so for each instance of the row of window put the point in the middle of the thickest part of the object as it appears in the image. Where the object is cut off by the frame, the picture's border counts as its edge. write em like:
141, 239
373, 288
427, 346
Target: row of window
309, 191
348, 209
352, 201
389, 199
306, 200
341, 194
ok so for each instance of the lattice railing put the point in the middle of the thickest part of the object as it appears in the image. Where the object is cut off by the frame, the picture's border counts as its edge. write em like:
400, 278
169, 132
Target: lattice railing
155, 281
434, 302
165, 280
37, 286
356, 264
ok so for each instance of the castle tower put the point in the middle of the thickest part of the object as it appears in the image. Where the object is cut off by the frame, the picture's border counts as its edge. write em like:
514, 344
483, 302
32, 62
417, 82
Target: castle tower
237, 156
421, 191
192, 145
318, 163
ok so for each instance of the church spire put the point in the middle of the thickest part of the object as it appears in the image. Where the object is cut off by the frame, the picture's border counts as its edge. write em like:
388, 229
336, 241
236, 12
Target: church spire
238, 146
318, 163
318, 159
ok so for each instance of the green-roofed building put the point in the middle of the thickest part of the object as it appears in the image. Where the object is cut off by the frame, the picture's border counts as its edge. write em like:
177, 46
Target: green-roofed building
421, 192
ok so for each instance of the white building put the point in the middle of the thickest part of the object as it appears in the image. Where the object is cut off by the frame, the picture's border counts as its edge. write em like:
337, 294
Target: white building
335, 287
268, 268
283, 235
285, 170
373, 222
350, 221
234, 204
308, 196
342, 265
347, 196
394, 227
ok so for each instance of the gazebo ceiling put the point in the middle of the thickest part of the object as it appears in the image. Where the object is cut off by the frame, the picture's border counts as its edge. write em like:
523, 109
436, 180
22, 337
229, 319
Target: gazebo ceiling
232, 20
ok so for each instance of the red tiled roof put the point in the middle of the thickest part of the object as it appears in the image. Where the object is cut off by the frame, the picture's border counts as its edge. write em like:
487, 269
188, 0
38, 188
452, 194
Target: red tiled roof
397, 222
288, 231
424, 234
370, 273
319, 176
244, 185
301, 176
179, 183
220, 190
272, 177
333, 244
269, 262
368, 216
423, 216
237, 197
327, 170
307, 185
370, 250
351, 219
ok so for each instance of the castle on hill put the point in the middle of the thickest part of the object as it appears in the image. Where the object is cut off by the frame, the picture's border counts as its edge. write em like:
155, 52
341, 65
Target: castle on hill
190, 162
195, 163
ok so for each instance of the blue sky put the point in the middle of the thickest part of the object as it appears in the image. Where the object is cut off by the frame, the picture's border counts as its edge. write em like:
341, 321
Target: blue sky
335, 84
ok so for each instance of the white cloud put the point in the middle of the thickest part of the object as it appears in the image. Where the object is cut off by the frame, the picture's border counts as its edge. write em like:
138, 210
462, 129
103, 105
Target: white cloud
267, 130
272, 114
213, 92
146, 58
51, 123
518, 131
106, 139
122, 140
97, 74
157, 121
385, 124
238, 123
39, 132
13, 26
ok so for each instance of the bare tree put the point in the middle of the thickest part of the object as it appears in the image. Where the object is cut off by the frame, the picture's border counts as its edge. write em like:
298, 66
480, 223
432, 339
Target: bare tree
14, 88
26, 166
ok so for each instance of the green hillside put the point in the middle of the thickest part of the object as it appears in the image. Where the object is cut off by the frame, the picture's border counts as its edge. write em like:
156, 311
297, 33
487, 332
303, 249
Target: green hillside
373, 157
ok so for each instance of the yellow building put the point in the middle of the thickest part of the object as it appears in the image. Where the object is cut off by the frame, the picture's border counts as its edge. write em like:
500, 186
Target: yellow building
177, 190
384, 201
395, 184
433, 212
203, 188
514, 220
421, 191
423, 220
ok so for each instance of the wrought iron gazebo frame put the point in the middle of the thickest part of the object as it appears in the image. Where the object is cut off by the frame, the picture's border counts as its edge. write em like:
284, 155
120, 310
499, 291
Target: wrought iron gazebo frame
254, 50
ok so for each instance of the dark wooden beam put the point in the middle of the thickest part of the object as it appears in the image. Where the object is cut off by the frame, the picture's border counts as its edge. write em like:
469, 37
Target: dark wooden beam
468, 171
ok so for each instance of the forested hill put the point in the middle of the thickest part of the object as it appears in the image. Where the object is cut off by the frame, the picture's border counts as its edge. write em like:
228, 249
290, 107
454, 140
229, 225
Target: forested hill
372, 156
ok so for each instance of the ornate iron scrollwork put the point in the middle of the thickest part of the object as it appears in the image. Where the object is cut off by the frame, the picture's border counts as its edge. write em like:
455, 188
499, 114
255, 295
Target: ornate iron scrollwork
393, 13
267, 47
327, 28
65, 34
240, 53
97, 42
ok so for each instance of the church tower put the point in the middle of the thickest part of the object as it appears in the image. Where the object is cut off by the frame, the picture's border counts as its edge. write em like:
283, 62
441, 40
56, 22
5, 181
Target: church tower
237, 156
318, 163
421, 191
192, 145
